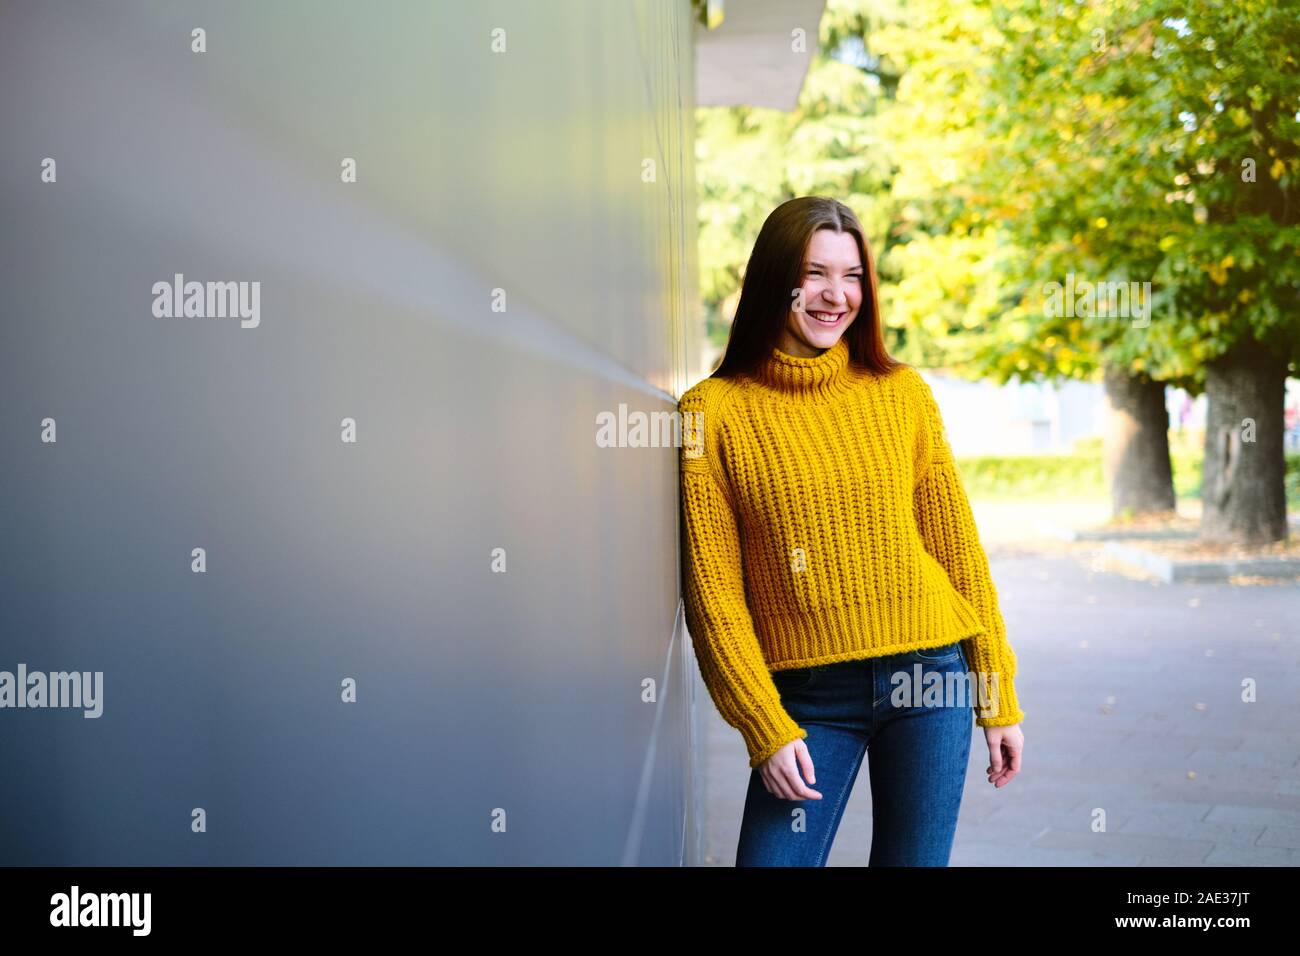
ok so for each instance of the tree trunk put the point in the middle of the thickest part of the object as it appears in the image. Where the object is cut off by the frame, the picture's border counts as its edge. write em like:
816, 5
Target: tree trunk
1136, 445
1242, 483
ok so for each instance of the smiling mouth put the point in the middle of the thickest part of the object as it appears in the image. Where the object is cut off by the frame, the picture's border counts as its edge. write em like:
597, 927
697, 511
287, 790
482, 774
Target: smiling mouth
827, 318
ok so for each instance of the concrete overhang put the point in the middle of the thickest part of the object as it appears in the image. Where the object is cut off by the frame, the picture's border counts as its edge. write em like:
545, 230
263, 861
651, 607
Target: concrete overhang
752, 57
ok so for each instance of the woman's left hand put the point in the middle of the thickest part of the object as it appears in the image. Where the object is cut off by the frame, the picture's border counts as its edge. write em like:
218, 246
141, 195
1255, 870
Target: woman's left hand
1005, 745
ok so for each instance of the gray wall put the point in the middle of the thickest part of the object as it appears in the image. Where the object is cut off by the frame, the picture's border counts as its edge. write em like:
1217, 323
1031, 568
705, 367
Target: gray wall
475, 430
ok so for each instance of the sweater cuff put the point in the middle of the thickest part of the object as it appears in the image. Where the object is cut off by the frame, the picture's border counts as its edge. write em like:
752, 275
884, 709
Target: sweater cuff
995, 703
765, 734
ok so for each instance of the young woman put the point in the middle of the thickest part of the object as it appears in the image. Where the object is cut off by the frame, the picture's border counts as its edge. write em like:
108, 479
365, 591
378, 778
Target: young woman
836, 591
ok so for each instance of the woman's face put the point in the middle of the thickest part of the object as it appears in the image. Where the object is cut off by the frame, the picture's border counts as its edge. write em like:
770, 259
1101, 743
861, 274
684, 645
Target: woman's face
832, 294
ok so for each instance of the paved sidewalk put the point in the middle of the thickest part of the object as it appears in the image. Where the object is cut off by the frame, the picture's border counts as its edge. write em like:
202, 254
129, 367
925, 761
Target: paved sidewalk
1132, 691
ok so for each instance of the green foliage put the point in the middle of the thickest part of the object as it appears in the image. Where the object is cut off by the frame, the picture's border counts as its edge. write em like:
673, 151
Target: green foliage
1125, 127
992, 146
749, 161
1080, 475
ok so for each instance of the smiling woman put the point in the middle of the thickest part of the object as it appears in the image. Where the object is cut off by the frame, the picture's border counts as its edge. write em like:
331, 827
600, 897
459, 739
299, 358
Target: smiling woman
829, 296
810, 282
827, 533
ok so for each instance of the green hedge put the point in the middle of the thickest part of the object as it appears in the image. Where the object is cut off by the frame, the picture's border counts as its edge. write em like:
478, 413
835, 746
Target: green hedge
1079, 475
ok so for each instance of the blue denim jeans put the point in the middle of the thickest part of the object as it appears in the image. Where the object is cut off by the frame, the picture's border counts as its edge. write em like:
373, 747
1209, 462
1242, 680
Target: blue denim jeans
917, 750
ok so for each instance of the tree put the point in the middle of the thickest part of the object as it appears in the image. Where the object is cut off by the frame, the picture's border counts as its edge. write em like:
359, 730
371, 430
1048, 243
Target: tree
1100, 144
1189, 153
1061, 188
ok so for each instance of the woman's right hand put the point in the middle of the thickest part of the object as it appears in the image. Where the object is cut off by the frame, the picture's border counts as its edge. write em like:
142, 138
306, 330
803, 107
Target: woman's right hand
780, 772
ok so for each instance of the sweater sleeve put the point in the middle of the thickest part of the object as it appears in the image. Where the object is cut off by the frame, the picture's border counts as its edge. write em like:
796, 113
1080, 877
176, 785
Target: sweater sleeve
731, 659
947, 526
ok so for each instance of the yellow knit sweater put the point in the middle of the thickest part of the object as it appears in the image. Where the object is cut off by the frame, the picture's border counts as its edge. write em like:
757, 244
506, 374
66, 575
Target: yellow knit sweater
824, 520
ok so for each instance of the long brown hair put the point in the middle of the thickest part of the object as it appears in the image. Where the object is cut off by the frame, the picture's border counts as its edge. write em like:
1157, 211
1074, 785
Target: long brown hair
775, 271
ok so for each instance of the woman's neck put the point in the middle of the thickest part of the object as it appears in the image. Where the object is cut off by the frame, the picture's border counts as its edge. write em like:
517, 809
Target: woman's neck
818, 378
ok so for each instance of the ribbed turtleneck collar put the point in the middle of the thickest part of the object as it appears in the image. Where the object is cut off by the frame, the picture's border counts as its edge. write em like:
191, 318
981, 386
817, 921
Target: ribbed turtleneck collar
818, 379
